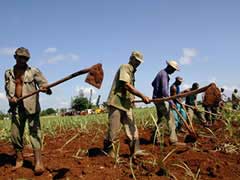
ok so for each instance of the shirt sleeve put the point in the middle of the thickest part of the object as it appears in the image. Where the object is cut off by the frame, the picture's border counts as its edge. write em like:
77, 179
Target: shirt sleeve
165, 92
155, 85
125, 74
6, 78
39, 78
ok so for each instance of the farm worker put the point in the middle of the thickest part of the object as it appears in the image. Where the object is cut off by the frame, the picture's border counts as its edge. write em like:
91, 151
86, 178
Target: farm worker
121, 108
191, 100
22, 80
174, 90
211, 100
160, 86
223, 100
223, 95
235, 99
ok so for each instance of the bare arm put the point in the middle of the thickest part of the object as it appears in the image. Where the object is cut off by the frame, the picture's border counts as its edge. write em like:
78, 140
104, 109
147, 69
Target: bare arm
134, 91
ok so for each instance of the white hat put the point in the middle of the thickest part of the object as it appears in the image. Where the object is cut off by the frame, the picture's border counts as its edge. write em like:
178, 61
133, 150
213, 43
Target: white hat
180, 79
173, 64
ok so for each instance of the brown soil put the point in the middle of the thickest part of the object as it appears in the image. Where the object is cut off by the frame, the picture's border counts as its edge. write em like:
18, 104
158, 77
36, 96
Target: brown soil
82, 158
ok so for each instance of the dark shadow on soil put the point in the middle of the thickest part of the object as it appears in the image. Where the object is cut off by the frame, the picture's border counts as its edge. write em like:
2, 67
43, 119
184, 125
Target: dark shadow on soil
162, 172
93, 152
125, 155
142, 141
60, 173
145, 141
28, 164
190, 138
7, 159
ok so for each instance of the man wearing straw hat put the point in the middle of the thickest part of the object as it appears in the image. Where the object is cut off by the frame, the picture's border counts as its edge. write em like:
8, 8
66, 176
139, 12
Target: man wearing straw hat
120, 107
160, 86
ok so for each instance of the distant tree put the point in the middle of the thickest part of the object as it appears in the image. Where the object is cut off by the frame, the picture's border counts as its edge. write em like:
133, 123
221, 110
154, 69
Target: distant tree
1, 115
48, 111
63, 110
80, 103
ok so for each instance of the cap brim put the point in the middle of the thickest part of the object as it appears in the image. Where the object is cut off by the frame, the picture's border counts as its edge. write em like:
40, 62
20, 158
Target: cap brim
139, 59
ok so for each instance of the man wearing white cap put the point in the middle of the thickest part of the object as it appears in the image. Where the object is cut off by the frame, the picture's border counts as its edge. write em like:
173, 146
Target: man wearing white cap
161, 89
120, 106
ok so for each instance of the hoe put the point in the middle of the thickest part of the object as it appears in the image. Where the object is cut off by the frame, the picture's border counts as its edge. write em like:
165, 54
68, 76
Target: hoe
192, 136
94, 78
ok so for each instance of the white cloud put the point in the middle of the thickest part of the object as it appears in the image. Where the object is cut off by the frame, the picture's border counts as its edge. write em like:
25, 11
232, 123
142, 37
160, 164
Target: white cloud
230, 88
64, 104
86, 90
62, 57
56, 101
50, 50
73, 56
188, 55
213, 80
7, 51
2, 96
186, 86
55, 59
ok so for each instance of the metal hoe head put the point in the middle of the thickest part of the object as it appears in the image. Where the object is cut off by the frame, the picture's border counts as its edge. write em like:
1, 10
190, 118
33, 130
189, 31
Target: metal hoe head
95, 76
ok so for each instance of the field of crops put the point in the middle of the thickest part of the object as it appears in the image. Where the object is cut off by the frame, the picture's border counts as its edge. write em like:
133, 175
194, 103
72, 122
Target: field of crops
72, 150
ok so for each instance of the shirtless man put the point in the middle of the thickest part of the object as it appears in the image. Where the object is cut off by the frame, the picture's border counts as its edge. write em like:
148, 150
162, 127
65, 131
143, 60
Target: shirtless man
22, 80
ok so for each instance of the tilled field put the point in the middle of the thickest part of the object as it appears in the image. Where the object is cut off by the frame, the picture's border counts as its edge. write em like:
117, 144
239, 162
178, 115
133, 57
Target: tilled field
77, 155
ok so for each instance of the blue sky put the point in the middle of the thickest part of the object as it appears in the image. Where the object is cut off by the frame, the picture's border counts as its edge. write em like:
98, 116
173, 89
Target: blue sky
66, 36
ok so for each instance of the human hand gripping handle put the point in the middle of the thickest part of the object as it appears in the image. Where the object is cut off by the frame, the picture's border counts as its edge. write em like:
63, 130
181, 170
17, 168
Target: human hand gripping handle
46, 89
13, 100
172, 106
146, 99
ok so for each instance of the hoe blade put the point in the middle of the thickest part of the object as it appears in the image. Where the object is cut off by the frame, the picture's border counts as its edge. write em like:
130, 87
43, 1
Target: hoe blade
95, 76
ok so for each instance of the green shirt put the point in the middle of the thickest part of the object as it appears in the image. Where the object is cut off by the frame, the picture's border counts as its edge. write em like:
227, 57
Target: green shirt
33, 79
119, 97
235, 98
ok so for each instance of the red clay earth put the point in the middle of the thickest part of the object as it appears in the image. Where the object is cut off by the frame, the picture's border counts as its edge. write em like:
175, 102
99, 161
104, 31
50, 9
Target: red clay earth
82, 158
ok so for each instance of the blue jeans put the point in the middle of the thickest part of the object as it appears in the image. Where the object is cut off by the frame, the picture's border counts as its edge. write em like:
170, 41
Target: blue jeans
178, 121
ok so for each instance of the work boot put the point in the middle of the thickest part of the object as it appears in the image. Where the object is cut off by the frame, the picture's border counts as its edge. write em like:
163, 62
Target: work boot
134, 147
19, 160
108, 148
39, 168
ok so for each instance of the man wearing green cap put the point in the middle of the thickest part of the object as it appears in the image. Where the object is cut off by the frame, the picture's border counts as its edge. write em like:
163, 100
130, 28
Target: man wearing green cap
120, 106
22, 80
